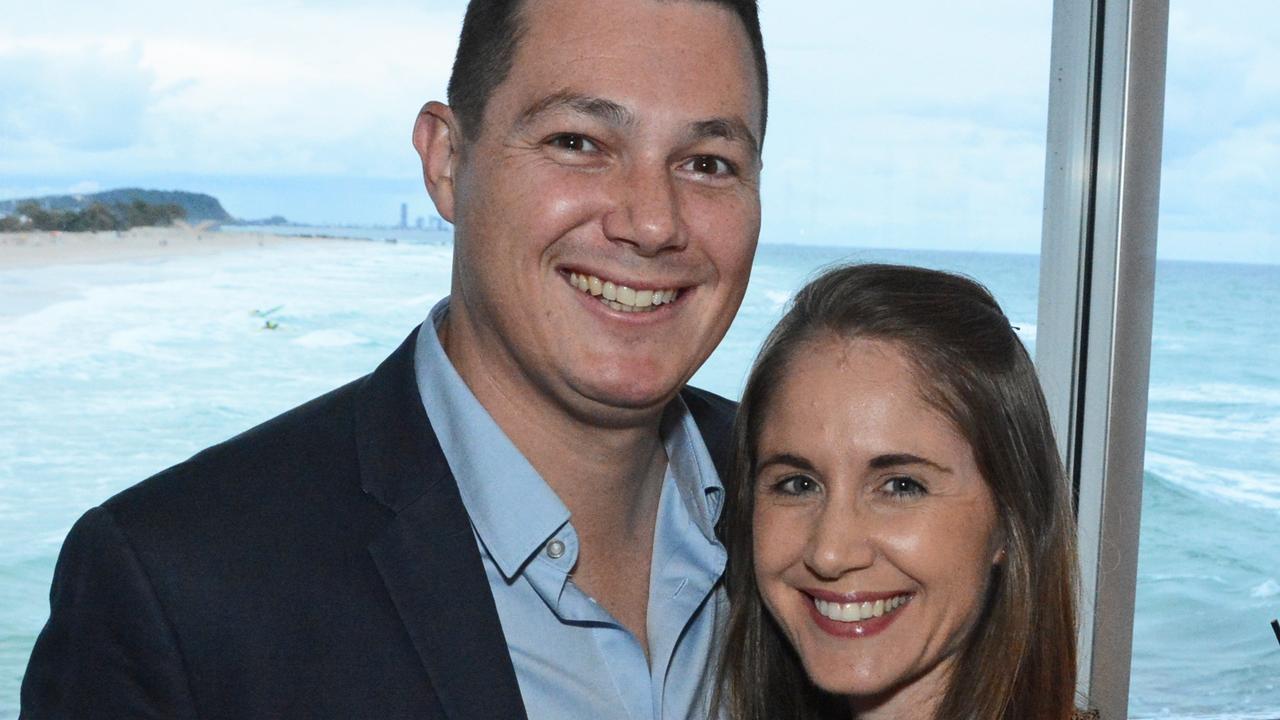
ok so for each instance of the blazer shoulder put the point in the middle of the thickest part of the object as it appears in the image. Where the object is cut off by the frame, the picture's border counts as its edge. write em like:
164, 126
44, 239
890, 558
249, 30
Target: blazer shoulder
108, 649
710, 404
714, 415
306, 444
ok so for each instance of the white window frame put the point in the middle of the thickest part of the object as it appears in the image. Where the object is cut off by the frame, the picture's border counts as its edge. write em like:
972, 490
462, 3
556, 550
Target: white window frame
1097, 281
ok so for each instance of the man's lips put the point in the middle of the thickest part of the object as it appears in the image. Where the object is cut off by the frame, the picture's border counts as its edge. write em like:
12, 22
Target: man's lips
623, 297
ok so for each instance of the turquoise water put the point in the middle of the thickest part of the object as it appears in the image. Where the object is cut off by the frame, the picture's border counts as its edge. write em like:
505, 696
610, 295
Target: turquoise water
111, 372
1209, 562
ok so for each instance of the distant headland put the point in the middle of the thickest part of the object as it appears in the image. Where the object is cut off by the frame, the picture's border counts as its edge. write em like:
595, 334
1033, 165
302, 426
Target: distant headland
119, 209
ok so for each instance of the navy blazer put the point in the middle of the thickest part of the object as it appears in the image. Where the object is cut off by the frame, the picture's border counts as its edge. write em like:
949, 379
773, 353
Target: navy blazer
320, 565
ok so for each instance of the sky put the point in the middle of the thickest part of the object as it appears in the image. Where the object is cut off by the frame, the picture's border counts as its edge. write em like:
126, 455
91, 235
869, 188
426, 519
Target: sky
919, 125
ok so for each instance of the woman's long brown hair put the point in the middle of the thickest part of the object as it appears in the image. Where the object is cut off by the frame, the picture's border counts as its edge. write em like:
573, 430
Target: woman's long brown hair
1019, 663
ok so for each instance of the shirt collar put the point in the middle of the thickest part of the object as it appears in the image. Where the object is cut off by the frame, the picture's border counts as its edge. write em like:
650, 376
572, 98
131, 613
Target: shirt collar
691, 468
513, 510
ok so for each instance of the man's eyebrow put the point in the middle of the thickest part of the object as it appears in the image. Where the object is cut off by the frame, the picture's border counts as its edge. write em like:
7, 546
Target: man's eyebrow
731, 129
607, 111
794, 461
882, 462
611, 113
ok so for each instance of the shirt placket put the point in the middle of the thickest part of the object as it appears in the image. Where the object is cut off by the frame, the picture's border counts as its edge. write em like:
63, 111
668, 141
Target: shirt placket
619, 652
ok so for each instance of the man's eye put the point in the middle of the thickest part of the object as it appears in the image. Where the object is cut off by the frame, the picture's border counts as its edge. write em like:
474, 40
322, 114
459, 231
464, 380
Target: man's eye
904, 486
796, 485
573, 143
710, 165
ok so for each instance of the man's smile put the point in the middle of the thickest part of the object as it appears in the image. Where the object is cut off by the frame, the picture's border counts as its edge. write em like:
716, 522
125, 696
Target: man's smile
623, 298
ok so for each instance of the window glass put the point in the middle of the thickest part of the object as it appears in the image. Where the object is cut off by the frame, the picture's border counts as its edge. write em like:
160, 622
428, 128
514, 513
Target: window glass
1209, 559
908, 132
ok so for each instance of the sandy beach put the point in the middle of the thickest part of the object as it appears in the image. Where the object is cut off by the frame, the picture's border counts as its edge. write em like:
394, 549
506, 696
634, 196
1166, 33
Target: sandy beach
41, 248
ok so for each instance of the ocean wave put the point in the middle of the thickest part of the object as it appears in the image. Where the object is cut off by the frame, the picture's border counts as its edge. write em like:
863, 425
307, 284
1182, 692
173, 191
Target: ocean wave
1165, 715
1184, 578
1253, 488
330, 339
425, 300
1229, 427
1217, 394
1266, 589
1026, 333
778, 298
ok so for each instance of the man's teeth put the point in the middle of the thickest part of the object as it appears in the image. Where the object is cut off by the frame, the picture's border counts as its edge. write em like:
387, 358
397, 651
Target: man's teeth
855, 612
621, 297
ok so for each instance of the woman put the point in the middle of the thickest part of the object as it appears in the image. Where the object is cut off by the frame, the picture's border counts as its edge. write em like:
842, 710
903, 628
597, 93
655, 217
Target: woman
899, 527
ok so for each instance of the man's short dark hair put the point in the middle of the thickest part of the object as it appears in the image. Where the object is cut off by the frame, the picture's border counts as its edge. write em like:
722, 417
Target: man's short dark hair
491, 32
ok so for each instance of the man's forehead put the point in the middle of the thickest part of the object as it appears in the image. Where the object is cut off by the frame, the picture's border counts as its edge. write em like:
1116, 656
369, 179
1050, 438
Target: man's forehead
556, 19
569, 51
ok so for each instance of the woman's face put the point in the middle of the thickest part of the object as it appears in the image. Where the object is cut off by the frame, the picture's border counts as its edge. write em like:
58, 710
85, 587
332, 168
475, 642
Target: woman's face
874, 532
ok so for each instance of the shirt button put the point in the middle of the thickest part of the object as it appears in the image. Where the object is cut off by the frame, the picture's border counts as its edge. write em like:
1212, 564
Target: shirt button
555, 549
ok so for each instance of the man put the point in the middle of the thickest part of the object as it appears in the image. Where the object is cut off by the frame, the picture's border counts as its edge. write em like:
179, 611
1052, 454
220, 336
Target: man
513, 515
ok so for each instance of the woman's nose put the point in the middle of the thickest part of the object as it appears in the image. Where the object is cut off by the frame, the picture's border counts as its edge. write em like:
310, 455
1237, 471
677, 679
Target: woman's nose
841, 540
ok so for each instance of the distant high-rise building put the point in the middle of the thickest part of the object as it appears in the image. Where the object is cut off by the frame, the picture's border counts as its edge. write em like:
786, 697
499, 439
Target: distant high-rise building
418, 224
404, 215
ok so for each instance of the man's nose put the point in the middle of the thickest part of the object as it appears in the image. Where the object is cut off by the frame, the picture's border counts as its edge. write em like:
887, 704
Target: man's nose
645, 210
842, 540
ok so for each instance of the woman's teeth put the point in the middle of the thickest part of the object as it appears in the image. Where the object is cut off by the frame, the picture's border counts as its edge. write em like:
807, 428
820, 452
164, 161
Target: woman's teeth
621, 297
855, 612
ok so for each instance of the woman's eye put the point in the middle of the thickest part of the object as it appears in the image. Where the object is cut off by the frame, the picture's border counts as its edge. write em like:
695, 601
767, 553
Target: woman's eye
904, 486
796, 485
573, 143
710, 165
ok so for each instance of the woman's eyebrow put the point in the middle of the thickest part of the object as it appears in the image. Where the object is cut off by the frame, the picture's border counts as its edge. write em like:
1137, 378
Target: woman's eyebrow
889, 460
787, 459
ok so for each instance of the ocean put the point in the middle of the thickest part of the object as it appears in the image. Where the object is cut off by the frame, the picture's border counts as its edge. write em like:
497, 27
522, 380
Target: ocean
111, 372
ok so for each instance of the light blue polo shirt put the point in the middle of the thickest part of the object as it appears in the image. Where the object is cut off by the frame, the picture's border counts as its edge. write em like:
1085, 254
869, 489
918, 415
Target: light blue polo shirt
572, 659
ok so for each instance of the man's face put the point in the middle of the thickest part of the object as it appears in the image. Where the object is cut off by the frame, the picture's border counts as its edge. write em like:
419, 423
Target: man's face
607, 212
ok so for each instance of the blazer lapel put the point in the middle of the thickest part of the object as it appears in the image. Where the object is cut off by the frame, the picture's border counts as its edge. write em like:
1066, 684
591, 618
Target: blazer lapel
427, 554
714, 416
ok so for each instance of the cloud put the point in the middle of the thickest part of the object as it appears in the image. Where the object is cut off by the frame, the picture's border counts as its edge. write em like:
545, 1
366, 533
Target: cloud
899, 126
1221, 171
283, 88
89, 101
896, 124
85, 187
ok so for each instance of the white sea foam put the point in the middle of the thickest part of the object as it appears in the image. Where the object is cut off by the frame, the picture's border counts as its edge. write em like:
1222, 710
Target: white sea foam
1166, 715
123, 368
1217, 394
1266, 589
330, 339
1233, 427
1185, 578
1253, 488
778, 298
424, 300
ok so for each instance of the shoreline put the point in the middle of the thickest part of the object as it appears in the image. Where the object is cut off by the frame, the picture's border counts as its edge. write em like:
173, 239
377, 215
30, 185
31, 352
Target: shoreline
44, 248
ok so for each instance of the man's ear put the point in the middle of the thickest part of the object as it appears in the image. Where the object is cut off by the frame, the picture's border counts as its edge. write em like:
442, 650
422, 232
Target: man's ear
438, 142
